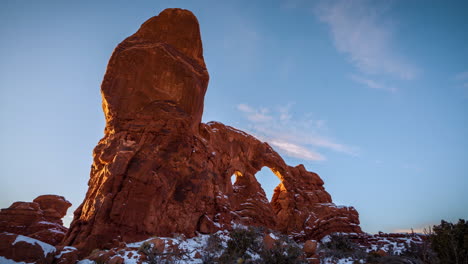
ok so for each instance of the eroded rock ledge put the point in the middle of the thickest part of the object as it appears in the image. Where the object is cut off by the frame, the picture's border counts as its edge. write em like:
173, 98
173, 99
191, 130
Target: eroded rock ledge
160, 171
40, 219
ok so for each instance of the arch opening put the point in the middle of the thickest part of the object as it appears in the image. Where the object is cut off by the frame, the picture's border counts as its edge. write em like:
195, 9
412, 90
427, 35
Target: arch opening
234, 177
268, 181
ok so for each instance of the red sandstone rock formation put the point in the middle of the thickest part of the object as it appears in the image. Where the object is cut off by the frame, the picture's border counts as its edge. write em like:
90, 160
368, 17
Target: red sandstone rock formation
159, 171
40, 219
23, 249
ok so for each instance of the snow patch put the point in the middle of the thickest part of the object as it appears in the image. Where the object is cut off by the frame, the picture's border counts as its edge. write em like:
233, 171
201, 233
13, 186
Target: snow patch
326, 239
46, 248
65, 250
133, 259
273, 236
85, 261
53, 230
339, 261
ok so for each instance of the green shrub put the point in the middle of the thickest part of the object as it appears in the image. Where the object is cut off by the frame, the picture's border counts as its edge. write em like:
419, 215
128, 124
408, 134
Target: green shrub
420, 253
153, 256
213, 249
450, 242
340, 246
244, 244
285, 251
241, 243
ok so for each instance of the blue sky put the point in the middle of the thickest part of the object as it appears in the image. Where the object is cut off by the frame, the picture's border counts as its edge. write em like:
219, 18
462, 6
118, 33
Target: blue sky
371, 95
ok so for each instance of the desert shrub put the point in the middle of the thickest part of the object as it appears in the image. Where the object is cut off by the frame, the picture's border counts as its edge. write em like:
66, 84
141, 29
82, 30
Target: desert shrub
340, 246
450, 242
246, 246
285, 251
374, 258
145, 247
398, 260
420, 253
153, 256
241, 243
213, 249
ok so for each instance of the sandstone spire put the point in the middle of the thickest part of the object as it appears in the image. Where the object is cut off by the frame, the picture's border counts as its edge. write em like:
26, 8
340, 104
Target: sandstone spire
161, 63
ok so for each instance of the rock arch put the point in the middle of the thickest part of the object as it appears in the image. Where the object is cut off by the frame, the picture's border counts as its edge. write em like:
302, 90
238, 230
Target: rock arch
159, 171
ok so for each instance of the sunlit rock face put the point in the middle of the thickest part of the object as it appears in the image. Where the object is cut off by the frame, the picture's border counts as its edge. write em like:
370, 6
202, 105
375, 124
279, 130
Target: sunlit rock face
40, 219
160, 171
162, 63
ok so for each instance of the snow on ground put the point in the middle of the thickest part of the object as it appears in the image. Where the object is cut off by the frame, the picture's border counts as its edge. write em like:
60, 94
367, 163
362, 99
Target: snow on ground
85, 261
4, 260
188, 250
65, 250
191, 246
339, 261
131, 257
45, 247
325, 239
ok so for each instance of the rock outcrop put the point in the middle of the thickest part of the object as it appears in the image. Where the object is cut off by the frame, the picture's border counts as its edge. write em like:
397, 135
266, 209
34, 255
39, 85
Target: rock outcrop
17, 248
40, 219
160, 171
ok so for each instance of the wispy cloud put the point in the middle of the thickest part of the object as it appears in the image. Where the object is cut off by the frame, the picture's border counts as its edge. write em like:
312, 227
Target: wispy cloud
293, 136
372, 83
360, 30
255, 115
296, 151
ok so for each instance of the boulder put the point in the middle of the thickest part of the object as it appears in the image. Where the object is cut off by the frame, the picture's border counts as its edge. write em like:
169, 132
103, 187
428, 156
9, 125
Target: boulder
20, 248
310, 247
269, 241
54, 207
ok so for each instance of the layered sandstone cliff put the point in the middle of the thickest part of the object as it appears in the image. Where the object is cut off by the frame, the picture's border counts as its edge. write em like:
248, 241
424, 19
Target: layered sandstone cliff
160, 171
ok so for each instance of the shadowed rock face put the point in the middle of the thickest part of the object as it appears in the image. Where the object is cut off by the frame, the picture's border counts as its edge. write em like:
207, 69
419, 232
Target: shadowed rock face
159, 171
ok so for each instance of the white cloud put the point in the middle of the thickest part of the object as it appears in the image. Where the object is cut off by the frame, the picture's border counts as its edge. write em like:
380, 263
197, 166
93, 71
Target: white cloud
360, 30
372, 83
295, 137
296, 151
255, 115
245, 108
